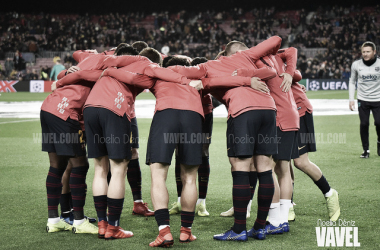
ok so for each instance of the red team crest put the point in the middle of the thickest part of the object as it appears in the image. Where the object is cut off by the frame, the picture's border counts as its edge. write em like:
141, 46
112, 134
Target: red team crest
7, 86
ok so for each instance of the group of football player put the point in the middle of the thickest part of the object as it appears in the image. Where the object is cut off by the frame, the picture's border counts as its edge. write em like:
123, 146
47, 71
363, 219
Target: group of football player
269, 123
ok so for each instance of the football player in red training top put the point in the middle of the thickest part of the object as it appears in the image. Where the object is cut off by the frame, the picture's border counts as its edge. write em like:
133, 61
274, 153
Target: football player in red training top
114, 142
63, 139
287, 127
247, 109
204, 168
306, 144
160, 150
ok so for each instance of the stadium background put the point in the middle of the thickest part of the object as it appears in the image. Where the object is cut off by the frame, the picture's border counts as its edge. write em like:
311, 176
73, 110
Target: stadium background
23, 166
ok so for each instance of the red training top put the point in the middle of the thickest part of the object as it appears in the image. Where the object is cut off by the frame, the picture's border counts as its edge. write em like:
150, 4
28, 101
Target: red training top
302, 102
68, 101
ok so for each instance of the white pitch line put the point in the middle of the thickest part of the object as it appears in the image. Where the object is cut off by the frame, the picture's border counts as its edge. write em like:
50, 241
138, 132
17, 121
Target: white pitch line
19, 121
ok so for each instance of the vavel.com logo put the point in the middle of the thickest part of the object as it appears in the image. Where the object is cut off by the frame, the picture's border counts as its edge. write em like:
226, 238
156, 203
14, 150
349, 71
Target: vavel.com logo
337, 233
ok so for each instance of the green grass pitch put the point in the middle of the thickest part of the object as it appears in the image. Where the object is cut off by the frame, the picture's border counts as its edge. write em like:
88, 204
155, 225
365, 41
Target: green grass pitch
23, 205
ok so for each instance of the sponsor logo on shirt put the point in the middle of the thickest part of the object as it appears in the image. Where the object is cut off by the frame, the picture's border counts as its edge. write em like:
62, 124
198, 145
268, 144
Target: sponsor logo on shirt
369, 77
377, 69
62, 105
119, 100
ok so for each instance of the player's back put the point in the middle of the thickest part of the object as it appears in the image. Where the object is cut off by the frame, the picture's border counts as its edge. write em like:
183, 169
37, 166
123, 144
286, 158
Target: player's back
170, 95
225, 66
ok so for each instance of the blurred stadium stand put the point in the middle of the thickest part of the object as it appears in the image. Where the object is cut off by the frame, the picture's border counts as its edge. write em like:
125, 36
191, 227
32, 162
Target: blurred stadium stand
328, 39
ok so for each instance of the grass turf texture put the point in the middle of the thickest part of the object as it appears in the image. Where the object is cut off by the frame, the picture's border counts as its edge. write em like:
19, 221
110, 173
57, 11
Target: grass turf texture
23, 205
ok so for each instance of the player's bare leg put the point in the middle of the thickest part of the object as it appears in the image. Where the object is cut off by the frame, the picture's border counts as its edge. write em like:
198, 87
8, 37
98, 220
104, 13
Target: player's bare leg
115, 199
286, 189
274, 215
292, 215
188, 201
134, 180
99, 190
160, 200
314, 172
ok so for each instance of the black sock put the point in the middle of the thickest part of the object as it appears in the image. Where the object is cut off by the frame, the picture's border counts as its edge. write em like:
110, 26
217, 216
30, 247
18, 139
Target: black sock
187, 218
65, 205
101, 207
264, 198
54, 190
78, 189
134, 178
115, 206
323, 185
241, 194
162, 217
203, 177
252, 182
178, 180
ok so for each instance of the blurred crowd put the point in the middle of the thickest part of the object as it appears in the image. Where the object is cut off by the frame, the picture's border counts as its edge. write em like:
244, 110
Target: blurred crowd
339, 30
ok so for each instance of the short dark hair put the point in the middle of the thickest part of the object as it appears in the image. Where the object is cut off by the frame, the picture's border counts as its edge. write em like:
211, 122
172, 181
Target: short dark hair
152, 55
232, 44
178, 61
140, 45
166, 60
198, 60
369, 44
125, 49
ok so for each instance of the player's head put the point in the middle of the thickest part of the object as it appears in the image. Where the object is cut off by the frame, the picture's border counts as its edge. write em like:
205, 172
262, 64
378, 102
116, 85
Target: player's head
368, 51
198, 60
125, 49
140, 45
152, 55
166, 60
233, 47
185, 57
178, 61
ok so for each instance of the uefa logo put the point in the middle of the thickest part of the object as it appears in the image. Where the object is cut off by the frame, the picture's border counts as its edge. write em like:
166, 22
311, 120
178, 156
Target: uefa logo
36, 86
314, 85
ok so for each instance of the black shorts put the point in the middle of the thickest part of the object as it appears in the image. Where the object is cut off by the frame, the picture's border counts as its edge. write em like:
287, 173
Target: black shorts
107, 134
252, 133
306, 135
173, 128
135, 133
207, 127
65, 138
287, 145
